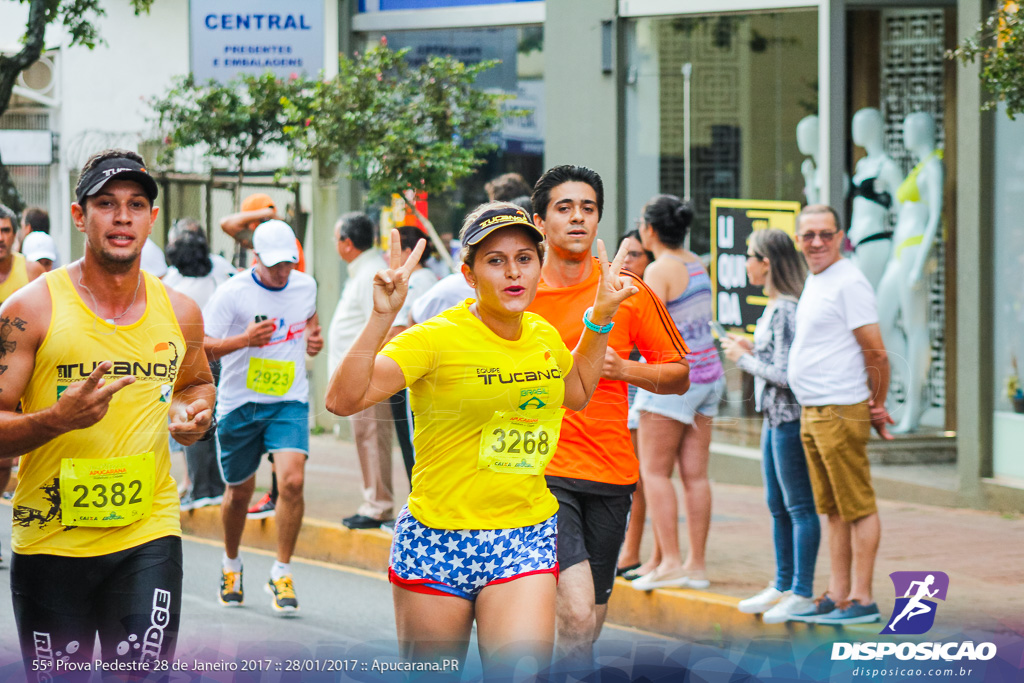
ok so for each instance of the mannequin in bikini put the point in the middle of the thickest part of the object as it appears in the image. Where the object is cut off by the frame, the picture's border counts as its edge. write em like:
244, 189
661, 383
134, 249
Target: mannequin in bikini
875, 181
807, 142
902, 289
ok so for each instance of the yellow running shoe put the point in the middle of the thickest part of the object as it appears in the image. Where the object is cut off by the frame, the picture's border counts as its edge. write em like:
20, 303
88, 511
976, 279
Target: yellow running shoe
230, 588
283, 591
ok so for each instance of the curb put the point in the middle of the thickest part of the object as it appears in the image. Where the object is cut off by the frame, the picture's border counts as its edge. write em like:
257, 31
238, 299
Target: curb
677, 613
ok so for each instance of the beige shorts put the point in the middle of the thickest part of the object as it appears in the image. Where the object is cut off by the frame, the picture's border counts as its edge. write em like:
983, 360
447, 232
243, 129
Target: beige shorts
835, 440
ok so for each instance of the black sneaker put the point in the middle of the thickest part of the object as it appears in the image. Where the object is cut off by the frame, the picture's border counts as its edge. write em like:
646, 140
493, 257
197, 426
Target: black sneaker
358, 521
230, 588
283, 591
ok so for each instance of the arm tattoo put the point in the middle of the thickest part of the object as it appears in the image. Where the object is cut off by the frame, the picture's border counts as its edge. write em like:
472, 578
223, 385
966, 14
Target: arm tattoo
6, 327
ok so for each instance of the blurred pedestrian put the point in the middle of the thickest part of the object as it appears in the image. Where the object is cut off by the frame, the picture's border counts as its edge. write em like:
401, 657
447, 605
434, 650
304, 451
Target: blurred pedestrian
839, 371
192, 273
40, 247
371, 428
773, 263
676, 429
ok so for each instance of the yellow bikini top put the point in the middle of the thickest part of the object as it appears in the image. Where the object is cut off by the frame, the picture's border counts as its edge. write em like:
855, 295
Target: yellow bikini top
908, 190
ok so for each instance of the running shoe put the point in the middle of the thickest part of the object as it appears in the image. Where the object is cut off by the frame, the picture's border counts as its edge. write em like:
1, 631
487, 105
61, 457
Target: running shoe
358, 521
283, 591
230, 588
262, 509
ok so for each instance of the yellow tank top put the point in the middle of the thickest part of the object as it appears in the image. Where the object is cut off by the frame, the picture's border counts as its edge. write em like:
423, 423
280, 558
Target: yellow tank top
16, 279
136, 422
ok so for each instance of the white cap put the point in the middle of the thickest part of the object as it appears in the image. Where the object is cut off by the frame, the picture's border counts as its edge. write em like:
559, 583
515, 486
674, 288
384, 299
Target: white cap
39, 245
153, 261
274, 242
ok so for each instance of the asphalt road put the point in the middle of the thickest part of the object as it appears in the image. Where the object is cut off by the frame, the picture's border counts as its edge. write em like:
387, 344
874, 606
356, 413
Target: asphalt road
345, 628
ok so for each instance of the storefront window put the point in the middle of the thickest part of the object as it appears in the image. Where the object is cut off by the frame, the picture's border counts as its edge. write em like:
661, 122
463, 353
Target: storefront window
520, 74
753, 79
1008, 328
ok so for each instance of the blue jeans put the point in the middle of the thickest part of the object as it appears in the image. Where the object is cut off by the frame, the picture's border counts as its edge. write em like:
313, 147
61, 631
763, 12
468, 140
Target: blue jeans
795, 522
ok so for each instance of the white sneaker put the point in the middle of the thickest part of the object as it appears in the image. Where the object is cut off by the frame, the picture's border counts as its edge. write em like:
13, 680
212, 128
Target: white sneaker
763, 601
786, 608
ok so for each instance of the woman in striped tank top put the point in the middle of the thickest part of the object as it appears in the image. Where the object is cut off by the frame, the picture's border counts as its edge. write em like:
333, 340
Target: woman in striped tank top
677, 428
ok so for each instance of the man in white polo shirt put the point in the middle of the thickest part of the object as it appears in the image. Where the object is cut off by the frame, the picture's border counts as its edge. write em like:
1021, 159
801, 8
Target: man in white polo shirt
839, 372
262, 323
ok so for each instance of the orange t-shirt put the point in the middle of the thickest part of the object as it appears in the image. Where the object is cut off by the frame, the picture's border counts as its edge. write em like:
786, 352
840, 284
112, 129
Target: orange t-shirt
594, 444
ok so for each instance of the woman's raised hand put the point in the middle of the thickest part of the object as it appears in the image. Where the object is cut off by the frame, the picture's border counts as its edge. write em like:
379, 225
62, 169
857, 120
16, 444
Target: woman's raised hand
390, 286
613, 288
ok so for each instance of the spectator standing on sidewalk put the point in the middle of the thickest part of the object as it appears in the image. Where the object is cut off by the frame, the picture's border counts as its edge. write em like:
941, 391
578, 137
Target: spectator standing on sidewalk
676, 429
372, 427
839, 372
773, 263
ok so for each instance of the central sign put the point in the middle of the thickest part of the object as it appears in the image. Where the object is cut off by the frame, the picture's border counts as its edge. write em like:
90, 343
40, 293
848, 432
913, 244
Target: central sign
229, 38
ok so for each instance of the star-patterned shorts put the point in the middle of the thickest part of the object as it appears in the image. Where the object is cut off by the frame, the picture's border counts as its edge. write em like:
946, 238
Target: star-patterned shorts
461, 562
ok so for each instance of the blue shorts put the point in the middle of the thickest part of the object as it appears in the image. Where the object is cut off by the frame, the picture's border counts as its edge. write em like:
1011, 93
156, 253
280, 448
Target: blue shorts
461, 562
252, 429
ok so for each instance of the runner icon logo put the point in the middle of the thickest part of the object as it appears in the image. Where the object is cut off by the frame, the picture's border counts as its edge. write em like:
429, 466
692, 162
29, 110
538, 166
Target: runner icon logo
915, 608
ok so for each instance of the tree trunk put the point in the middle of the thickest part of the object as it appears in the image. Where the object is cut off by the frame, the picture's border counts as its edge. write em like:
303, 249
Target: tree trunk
10, 67
9, 195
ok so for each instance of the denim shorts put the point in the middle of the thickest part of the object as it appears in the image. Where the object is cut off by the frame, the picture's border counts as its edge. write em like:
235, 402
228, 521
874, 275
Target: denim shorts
700, 398
252, 429
461, 562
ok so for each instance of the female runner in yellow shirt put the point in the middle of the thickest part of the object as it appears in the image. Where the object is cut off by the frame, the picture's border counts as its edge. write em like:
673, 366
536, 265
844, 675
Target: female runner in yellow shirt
487, 384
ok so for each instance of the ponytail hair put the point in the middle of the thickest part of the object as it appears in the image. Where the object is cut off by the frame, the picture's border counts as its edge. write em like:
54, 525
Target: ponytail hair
670, 217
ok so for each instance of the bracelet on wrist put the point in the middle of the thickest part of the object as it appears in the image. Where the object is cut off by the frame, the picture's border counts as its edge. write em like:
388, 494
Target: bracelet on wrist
591, 325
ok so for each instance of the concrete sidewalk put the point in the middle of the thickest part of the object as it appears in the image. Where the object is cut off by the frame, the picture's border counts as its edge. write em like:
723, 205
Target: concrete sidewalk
982, 552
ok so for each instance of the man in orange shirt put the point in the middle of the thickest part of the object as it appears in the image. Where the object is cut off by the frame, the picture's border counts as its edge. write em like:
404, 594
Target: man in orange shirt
256, 209
594, 471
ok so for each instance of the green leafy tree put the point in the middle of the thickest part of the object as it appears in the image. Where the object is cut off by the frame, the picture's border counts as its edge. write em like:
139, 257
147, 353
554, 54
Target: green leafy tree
396, 126
78, 18
999, 45
236, 121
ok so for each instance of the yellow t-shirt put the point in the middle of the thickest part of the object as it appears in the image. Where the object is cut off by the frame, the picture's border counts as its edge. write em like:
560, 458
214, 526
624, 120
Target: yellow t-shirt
459, 374
16, 279
135, 423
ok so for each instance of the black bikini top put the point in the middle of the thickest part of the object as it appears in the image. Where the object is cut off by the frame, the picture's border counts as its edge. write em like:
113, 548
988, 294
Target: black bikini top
866, 189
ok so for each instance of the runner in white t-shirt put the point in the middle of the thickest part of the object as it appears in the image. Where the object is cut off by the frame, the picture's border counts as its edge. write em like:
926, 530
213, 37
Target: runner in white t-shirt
262, 323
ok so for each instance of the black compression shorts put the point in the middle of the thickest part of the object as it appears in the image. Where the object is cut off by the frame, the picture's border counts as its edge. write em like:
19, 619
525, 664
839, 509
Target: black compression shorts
132, 598
591, 527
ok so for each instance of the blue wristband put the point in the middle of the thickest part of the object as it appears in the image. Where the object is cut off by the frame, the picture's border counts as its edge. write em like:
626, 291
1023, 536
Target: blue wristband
596, 328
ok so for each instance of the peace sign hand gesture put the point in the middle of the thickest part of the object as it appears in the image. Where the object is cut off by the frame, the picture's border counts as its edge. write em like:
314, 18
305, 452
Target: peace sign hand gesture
613, 288
391, 286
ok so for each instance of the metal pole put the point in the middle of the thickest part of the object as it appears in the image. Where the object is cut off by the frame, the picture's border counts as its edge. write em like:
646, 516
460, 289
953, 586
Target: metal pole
687, 76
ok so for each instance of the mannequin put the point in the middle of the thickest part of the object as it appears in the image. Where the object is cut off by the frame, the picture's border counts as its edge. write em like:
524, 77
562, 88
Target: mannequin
875, 181
807, 142
902, 289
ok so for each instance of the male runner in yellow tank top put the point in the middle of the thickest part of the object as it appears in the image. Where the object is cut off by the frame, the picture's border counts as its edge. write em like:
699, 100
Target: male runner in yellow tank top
15, 272
99, 353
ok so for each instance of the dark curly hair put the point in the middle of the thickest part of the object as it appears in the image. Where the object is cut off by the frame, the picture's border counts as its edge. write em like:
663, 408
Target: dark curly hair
190, 254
